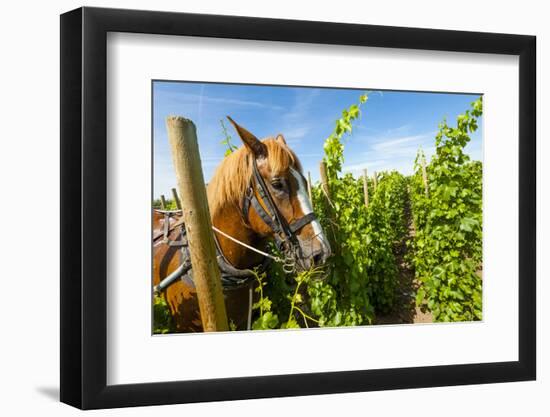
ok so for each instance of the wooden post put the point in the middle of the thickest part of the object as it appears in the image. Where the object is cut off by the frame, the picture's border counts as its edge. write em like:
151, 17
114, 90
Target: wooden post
162, 202
206, 274
309, 188
176, 198
366, 187
375, 181
324, 179
425, 177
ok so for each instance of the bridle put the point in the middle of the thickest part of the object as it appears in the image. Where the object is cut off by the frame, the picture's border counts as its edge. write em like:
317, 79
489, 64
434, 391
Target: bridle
285, 233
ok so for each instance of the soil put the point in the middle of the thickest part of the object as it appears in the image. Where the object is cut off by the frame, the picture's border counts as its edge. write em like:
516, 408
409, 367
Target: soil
405, 310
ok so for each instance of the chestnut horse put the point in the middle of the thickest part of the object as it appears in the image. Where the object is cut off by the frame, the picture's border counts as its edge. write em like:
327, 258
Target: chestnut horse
268, 174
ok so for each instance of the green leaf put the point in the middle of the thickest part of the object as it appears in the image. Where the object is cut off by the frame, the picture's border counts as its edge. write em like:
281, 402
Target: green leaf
267, 321
420, 295
468, 224
291, 324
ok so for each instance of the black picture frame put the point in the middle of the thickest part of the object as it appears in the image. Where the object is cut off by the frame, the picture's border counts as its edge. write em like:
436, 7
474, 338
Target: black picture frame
84, 207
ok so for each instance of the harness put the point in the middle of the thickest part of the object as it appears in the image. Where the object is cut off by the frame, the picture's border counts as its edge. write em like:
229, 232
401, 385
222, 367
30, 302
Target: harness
285, 234
230, 276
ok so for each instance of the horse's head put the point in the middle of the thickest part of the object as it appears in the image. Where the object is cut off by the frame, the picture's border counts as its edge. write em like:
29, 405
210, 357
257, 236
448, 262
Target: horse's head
277, 202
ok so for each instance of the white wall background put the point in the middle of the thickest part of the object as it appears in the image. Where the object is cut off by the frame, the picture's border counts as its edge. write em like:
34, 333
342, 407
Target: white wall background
29, 178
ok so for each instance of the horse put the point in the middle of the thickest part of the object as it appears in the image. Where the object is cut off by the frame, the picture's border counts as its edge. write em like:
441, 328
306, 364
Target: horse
257, 194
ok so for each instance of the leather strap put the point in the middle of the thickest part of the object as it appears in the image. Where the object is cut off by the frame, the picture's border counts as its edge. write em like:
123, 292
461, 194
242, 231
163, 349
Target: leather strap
263, 192
265, 216
166, 228
301, 222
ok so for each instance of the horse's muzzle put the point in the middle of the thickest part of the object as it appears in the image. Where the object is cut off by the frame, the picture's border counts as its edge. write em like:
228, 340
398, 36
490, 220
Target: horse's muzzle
313, 254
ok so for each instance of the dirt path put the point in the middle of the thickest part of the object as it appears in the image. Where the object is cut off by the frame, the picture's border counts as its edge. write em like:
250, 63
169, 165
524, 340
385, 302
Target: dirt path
405, 310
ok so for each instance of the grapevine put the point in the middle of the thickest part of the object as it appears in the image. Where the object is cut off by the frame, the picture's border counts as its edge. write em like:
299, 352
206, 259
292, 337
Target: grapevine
360, 281
448, 242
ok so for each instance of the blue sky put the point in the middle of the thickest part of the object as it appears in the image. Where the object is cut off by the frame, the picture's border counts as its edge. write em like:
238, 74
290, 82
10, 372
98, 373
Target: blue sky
393, 124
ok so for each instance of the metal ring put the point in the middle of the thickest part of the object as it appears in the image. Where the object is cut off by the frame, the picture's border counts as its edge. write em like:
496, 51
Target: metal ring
289, 264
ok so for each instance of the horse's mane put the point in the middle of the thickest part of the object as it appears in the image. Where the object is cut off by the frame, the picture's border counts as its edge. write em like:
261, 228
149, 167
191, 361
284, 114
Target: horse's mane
234, 174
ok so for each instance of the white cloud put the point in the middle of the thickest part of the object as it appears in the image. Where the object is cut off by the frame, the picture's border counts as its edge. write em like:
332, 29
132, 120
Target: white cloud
303, 100
359, 167
216, 100
391, 153
399, 130
295, 133
387, 144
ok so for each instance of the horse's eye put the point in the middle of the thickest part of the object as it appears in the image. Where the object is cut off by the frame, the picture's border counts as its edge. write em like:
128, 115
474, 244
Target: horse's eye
278, 185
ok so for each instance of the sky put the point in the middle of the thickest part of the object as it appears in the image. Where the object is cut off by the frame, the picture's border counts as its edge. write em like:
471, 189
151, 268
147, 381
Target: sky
392, 127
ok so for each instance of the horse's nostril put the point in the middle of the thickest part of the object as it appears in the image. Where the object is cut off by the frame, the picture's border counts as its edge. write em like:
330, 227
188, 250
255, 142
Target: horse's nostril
318, 258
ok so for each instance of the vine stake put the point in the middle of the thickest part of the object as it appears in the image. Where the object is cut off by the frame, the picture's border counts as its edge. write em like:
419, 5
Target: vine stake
425, 177
176, 198
206, 274
324, 179
309, 188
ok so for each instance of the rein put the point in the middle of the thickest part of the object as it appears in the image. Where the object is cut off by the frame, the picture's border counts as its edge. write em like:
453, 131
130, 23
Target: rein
238, 242
168, 229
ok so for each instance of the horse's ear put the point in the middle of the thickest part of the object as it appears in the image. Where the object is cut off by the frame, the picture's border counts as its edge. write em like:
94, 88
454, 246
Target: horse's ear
249, 140
280, 138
